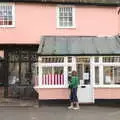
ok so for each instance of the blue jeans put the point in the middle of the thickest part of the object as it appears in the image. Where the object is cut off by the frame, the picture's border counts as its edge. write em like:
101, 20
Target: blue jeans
73, 95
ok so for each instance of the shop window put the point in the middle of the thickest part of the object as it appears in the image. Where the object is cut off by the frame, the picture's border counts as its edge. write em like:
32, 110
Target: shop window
111, 75
52, 76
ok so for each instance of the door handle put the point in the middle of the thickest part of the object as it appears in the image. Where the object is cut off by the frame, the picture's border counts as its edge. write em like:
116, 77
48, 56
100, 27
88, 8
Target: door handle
83, 86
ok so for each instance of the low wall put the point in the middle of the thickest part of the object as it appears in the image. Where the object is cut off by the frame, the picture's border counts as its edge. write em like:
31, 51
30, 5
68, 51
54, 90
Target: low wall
53, 93
63, 93
107, 93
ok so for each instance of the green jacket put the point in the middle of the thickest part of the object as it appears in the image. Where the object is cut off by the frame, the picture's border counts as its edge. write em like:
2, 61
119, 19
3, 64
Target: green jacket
74, 82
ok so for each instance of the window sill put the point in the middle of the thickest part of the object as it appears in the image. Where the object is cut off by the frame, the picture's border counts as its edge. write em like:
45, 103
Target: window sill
107, 86
10, 26
73, 27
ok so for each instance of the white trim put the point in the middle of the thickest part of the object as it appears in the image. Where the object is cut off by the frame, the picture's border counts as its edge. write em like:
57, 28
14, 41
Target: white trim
73, 17
65, 67
65, 72
107, 86
92, 77
13, 16
74, 63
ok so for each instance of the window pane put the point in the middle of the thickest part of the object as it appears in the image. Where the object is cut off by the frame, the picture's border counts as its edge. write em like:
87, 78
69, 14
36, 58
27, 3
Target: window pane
87, 74
108, 75
80, 71
69, 59
61, 24
96, 59
52, 59
117, 75
61, 19
70, 23
65, 24
70, 19
52, 76
61, 14
96, 75
47, 70
111, 59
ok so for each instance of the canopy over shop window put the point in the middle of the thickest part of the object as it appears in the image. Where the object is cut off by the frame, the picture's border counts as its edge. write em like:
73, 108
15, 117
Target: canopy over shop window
79, 45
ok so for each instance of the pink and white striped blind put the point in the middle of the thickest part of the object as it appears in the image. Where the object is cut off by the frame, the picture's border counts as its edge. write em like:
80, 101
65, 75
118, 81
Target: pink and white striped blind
53, 79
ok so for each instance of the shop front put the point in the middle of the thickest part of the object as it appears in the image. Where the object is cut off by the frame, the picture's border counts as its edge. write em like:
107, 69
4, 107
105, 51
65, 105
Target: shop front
96, 60
55, 73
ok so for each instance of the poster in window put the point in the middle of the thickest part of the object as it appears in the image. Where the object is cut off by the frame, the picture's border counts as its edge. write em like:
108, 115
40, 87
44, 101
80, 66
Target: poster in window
86, 76
107, 79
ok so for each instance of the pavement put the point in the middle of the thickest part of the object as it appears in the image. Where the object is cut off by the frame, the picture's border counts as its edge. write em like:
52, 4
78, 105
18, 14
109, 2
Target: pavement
86, 112
9, 102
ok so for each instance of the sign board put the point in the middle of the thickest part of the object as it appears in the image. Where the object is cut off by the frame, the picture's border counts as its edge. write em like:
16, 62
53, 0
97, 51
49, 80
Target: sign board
86, 76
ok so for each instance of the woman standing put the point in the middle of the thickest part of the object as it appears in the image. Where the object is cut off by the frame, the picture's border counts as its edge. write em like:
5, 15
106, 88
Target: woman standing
73, 85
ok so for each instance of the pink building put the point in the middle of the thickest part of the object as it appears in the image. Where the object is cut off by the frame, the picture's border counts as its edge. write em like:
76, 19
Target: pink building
42, 41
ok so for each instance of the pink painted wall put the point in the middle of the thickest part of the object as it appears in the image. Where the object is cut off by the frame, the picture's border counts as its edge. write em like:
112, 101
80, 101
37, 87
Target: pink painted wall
35, 20
99, 93
55, 93
107, 93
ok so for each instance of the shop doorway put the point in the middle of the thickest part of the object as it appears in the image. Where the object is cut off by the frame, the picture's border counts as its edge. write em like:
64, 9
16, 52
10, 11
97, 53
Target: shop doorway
85, 89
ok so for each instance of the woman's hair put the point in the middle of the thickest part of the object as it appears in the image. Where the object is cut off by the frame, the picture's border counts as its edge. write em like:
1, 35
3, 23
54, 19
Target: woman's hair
74, 73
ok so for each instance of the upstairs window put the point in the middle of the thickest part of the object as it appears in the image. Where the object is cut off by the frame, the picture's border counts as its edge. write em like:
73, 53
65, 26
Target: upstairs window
65, 17
7, 15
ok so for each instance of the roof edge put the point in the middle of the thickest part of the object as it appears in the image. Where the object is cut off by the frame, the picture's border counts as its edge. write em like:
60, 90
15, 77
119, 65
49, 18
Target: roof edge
77, 2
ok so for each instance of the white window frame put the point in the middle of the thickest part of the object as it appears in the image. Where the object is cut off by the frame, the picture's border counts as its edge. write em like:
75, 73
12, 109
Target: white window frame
101, 65
73, 16
41, 65
13, 15
65, 66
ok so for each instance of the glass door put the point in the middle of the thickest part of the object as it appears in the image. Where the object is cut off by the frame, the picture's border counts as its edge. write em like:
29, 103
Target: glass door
85, 89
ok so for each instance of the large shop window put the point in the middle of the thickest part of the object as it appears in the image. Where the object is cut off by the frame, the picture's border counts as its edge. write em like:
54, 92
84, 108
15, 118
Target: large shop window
52, 69
107, 71
53, 76
111, 75
7, 15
